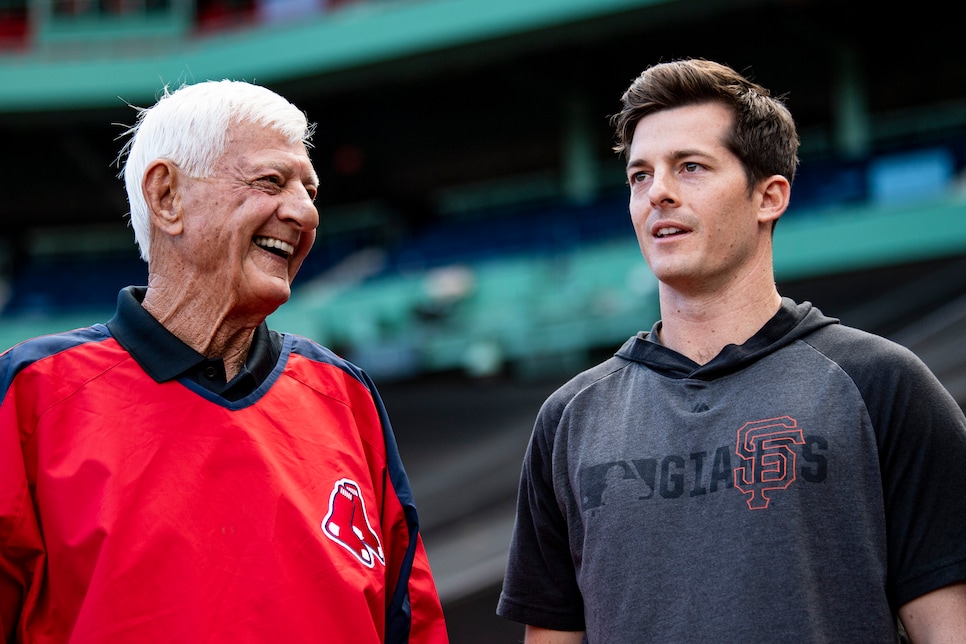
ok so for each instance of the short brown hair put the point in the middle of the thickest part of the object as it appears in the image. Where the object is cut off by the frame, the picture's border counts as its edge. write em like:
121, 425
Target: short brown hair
763, 135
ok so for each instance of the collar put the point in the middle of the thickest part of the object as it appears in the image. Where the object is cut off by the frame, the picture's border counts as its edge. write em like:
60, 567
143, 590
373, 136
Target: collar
165, 357
791, 322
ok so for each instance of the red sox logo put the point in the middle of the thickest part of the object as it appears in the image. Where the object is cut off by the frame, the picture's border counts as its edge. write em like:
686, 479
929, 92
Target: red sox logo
764, 446
347, 524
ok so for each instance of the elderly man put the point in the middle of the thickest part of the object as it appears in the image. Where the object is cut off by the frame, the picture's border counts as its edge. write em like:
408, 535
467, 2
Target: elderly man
182, 472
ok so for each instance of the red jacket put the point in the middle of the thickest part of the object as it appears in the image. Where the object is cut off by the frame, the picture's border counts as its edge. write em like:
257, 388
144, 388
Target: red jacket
133, 510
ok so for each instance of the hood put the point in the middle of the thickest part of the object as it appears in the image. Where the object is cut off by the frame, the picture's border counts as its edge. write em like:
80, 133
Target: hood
792, 322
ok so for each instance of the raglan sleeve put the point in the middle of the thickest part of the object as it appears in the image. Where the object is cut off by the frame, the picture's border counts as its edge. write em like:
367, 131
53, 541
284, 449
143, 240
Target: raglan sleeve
540, 584
21, 547
414, 613
427, 625
921, 432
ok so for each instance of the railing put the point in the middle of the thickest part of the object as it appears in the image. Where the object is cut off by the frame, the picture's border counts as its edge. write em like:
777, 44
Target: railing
26, 24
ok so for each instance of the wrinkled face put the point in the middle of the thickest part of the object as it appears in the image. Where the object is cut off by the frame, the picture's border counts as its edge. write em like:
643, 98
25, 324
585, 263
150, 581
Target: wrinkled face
249, 226
696, 223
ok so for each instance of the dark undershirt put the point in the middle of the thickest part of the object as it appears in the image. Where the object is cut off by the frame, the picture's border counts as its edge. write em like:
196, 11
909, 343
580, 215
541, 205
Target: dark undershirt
165, 357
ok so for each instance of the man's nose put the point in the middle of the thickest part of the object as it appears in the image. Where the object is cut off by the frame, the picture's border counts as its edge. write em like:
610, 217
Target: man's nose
299, 207
663, 189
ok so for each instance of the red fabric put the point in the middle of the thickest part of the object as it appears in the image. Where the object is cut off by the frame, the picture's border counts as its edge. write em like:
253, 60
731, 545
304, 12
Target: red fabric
133, 511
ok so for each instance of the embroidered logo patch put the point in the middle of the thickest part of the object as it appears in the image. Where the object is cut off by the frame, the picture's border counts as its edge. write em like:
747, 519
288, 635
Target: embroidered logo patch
768, 460
348, 525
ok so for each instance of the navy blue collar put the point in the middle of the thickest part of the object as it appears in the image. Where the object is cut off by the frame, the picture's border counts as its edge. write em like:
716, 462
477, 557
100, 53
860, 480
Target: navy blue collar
165, 357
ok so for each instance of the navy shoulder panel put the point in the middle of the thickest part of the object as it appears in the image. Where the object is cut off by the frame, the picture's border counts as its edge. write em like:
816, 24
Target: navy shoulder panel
21, 356
317, 353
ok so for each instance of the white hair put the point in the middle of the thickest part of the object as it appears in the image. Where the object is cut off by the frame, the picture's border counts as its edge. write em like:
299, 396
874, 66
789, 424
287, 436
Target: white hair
189, 127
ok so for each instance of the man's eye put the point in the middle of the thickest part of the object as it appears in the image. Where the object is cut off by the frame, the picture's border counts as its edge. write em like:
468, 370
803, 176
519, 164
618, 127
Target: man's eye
268, 181
691, 167
638, 177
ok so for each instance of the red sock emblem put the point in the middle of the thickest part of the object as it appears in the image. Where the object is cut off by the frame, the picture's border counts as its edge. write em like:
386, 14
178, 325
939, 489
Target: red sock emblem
348, 525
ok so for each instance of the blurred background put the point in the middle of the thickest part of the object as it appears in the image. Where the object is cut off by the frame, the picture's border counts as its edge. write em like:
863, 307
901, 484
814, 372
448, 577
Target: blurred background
475, 249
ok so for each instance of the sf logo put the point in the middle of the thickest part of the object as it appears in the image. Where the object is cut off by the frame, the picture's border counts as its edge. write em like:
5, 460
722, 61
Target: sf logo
348, 525
768, 459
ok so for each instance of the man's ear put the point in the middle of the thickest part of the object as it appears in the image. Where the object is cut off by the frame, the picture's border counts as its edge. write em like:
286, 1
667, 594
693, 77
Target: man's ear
775, 195
161, 186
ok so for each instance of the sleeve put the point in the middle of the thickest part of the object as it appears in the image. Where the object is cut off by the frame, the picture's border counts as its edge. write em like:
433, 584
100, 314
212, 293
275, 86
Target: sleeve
923, 454
921, 434
413, 613
540, 586
22, 553
427, 625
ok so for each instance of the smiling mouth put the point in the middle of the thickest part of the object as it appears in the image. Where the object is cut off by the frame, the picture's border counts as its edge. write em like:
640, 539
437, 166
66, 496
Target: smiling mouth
275, 246
669, 231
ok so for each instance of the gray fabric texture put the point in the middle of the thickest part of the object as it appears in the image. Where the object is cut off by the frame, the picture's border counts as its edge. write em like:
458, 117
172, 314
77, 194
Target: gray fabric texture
799, 487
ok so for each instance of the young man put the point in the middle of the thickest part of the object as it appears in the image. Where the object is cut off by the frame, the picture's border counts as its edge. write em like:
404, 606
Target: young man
182, 472
749, 470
